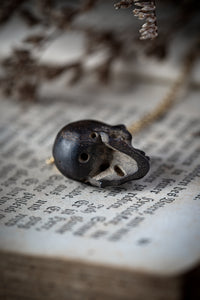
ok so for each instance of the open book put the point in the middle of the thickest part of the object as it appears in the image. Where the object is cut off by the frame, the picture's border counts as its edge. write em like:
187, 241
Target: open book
61, 239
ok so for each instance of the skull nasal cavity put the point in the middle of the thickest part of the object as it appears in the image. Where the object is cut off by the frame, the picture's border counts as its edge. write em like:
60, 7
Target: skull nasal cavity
119, 171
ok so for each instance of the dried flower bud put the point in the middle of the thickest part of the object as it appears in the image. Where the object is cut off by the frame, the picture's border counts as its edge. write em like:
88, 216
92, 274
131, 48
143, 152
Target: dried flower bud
146, 11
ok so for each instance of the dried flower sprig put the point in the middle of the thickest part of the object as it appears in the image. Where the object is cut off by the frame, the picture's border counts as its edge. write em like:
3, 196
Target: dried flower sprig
124, 4
144, 11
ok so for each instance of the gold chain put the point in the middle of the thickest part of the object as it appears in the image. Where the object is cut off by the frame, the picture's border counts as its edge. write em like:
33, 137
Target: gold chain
170, 98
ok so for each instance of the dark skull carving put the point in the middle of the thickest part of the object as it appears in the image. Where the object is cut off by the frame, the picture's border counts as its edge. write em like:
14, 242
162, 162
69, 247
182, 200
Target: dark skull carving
99, 154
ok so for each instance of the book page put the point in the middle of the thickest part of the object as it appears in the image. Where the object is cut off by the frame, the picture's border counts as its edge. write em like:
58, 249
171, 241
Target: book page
149, 225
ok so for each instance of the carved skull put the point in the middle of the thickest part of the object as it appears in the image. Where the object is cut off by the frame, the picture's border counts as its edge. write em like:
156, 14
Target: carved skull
96, 153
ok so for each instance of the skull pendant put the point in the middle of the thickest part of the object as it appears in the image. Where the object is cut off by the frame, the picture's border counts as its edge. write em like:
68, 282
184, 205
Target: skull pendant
99, 154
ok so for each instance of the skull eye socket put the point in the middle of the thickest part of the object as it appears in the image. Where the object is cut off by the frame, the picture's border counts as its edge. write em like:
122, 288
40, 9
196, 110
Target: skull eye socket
93, 135
84, 157
104, 166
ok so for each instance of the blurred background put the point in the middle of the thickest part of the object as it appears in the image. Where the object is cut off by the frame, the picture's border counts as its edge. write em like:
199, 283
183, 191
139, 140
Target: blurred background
52, 47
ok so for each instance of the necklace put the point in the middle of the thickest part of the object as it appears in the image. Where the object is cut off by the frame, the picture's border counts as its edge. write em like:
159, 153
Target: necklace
102, 155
